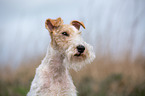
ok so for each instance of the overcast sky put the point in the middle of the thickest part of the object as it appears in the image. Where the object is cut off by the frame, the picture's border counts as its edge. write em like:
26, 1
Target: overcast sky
22, 26
110, 24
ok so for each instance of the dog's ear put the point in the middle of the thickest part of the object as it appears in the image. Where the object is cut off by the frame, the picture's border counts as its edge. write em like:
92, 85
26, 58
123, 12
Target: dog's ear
51, 24
77, 24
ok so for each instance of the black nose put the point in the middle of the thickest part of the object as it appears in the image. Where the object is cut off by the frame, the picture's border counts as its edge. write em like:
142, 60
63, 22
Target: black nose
80, 48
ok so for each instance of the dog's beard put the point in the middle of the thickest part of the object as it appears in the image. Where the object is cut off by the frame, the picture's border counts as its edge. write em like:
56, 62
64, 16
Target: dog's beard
76, 60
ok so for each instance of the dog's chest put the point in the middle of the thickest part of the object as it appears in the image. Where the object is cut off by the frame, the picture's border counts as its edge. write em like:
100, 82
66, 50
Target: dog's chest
58, 85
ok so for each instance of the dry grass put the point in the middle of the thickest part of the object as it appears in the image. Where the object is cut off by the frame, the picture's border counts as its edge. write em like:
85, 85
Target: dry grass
105, 77
112, 78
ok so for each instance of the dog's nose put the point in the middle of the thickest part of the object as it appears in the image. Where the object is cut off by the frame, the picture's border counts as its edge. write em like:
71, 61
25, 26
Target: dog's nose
80, 48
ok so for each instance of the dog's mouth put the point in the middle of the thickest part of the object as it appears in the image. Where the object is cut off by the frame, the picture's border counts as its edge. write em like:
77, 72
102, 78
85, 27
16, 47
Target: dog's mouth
78, 57
78, 54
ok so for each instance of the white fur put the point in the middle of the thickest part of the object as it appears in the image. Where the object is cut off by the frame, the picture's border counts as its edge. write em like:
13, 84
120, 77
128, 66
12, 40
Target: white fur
52, 76
78, 65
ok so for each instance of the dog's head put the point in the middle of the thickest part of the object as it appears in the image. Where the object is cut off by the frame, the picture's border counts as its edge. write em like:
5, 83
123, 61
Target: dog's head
67, 40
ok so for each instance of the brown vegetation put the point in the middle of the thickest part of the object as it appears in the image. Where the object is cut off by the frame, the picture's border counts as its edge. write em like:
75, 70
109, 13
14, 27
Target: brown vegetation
105, 77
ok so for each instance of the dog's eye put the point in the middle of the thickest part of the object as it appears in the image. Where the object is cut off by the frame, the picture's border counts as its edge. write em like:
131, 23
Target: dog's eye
65, 33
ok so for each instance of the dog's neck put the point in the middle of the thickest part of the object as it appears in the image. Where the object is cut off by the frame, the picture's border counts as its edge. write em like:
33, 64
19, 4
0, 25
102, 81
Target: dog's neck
56, 71
54, 62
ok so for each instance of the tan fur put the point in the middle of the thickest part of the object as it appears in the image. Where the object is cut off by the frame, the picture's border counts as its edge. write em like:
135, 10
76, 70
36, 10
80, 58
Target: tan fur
77, 24
52, 76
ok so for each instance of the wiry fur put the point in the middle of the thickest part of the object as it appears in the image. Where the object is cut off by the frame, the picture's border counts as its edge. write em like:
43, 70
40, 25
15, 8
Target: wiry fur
52, 76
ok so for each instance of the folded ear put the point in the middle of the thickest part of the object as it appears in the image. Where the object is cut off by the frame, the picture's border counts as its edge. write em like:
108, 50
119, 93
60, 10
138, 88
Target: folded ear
77, 24
51, 24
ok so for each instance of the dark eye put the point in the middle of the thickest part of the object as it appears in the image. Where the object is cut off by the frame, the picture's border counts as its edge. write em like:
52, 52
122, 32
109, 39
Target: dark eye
65, 33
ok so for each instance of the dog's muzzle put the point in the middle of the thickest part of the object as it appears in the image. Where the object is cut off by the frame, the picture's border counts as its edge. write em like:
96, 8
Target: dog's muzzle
80, 49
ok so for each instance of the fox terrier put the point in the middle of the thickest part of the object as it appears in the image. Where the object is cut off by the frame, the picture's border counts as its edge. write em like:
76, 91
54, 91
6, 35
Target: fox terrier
67, 50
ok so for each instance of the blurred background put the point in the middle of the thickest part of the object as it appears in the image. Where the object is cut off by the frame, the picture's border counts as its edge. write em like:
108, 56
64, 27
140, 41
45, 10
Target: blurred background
115, 28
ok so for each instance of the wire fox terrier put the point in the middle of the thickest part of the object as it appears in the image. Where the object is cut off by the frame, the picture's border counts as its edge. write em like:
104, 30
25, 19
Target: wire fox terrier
67, 50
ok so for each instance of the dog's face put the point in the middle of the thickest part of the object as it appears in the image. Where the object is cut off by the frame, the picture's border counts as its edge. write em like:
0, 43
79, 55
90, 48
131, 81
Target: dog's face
67, 40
